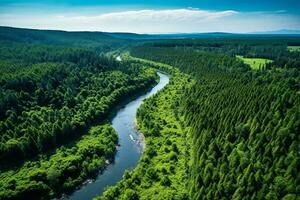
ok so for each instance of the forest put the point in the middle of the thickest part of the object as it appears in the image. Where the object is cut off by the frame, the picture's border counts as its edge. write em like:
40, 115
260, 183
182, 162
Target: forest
225, 127
52, 101
244, 124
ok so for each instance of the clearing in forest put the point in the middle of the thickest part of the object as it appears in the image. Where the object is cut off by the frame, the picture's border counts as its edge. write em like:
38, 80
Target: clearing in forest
293, 48
255, 63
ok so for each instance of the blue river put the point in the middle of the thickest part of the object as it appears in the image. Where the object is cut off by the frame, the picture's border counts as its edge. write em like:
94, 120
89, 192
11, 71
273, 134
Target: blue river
129, 150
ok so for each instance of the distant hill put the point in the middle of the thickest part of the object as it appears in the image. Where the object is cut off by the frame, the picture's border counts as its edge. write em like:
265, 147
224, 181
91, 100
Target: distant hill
106, 40
209, 35
90, 39
278, 32
53, 37
135, 36
132, 36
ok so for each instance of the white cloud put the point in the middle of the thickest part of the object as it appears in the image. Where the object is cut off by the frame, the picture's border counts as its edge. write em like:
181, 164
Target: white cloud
154, 21
171, 15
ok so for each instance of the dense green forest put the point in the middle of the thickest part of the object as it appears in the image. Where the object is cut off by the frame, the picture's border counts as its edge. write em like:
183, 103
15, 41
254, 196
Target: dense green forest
218, 130
52, 99
97, 41
61, 171
272, 47
45, 102
244, 124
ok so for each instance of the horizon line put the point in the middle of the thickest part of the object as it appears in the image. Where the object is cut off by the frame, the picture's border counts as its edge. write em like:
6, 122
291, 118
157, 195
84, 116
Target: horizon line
164, 33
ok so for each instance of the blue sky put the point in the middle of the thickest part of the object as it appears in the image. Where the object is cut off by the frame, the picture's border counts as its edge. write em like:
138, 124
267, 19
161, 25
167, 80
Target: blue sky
153, 16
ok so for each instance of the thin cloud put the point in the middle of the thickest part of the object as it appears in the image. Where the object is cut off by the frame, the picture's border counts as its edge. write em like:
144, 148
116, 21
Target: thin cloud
175, 14
149, 17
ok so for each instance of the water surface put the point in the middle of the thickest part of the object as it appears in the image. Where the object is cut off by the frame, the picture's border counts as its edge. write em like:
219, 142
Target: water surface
129, 151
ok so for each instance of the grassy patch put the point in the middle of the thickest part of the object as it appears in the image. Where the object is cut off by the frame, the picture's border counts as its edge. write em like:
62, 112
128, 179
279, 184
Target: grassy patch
255, 63
293, 48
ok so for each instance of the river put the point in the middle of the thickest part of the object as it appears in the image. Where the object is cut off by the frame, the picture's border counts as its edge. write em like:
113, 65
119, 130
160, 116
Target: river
129, 150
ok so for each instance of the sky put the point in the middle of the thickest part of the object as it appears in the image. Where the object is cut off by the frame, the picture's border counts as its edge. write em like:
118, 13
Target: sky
154, 16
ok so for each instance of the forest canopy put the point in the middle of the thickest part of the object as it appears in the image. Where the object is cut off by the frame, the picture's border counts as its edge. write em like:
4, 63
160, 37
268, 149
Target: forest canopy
225, 127
244, 124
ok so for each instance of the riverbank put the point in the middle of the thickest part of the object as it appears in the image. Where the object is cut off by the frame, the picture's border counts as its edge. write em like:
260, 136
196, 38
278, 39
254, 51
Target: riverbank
162, 168
128, 153
141, 138
67, 167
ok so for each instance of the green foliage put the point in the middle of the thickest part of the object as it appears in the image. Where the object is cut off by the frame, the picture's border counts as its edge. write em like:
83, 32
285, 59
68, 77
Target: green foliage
244, 124
162, 170
268, 47
255, 63
50, 97
92, 40
43, 105
221, 132
69, 166
293, 48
